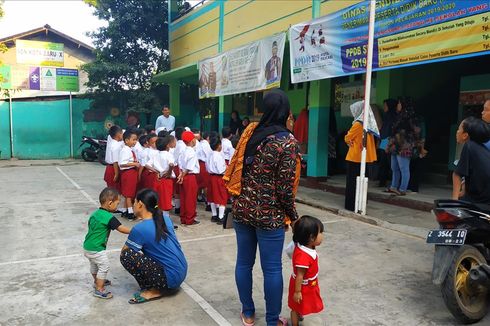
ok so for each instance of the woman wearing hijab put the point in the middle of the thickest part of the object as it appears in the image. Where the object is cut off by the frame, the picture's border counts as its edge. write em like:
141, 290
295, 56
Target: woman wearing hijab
235, 122
354, 141
263, 177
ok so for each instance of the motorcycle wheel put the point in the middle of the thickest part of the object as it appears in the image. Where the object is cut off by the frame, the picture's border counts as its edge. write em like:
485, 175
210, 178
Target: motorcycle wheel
101, 157
467, 305
87, 156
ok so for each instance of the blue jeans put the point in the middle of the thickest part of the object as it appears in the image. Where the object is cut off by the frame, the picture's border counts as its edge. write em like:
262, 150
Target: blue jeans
401, 172
270, 247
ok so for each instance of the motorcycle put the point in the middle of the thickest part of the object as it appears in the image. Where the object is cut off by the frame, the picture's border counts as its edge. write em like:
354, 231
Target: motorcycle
95, 151
462, 256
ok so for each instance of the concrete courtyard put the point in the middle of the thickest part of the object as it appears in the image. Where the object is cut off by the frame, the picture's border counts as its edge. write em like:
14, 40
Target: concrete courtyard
369, 275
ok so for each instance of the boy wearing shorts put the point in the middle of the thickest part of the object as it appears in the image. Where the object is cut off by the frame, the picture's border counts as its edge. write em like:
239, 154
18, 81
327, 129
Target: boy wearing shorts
100, 224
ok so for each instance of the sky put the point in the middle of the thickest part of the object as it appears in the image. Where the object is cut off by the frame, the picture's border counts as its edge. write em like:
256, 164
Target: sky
71, 17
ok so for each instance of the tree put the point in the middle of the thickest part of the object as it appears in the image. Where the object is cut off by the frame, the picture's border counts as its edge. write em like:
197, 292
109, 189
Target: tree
3, 49
129, 51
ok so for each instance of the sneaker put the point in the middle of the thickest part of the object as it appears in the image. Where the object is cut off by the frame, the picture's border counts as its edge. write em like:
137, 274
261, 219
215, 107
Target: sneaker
103, 294
208, 208
214, 219
120, 211
177, 211
130, 216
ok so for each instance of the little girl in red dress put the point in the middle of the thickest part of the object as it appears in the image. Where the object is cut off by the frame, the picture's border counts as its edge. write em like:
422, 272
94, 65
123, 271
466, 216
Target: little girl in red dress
304, 293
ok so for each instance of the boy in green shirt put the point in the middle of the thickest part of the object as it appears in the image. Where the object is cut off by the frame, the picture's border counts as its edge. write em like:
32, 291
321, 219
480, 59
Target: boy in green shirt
100, 224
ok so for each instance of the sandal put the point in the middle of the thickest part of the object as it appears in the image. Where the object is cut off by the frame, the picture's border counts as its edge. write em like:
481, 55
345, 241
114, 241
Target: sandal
283, 321
137, 299
103, 294
244, 323
106, 283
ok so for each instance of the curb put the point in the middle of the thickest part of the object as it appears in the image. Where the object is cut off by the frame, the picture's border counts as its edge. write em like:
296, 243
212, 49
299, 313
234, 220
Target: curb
416, 232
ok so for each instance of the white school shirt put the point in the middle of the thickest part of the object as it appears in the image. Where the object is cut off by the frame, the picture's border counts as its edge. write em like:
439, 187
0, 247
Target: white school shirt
143, 156
150, 156
125, 157
227, 148
112, 151
137, 149
179, 148
188, 161
162, 161
108, 150
216, 163
204, 151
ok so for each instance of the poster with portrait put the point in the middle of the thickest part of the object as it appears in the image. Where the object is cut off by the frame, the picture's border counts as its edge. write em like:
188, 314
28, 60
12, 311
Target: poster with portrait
251, 67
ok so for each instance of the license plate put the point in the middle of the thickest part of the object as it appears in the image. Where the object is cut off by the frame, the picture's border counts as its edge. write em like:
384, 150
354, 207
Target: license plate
454, 237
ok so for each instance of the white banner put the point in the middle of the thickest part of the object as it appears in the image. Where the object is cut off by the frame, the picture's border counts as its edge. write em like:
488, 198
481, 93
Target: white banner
251, 67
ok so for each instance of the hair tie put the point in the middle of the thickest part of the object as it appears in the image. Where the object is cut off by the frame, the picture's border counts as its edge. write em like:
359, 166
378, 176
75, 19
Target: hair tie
156, 206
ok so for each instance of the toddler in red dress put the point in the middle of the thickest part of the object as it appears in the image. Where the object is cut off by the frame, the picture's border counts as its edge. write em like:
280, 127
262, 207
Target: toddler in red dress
304, 293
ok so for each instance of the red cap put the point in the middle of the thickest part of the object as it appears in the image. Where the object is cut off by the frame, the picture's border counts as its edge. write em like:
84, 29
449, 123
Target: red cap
187, 136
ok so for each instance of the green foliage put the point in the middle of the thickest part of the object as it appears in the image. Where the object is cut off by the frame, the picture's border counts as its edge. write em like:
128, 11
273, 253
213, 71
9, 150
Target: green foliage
129, 51
3, 48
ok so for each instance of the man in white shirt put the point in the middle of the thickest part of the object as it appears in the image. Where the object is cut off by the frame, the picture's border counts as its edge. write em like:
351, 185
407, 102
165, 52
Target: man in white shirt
226, 146
165, 121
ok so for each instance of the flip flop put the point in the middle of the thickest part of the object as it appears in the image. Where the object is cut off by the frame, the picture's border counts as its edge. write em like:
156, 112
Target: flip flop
139, 299
244, 323
283, 320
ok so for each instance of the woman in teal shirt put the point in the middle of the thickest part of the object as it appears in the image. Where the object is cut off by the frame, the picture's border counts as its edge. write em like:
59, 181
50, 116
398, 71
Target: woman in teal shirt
152, 253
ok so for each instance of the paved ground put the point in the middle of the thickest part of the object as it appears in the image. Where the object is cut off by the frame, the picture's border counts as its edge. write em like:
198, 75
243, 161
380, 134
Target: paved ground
369, 275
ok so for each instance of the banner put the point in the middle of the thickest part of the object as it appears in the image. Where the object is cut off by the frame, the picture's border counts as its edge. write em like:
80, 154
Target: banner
406, 32
39, 78
40, 53
251, 67
5, 77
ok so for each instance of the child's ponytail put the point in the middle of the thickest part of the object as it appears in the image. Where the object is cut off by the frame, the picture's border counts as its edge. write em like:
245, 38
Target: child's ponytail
150, 199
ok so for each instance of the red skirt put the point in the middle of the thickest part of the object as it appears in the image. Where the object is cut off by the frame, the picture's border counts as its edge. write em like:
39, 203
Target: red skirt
129, 183
165, 189
217, 192
312, 301
203, 176
176, 185
109, 177
148, 179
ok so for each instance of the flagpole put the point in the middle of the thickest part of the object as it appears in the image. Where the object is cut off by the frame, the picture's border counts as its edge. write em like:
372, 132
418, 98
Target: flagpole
362, 181
11, 123
71, 126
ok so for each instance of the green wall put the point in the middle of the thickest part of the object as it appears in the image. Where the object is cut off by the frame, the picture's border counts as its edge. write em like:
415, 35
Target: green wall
4, 130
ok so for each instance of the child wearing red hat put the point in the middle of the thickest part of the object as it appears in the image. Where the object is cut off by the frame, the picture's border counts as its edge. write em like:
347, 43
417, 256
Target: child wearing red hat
189, 169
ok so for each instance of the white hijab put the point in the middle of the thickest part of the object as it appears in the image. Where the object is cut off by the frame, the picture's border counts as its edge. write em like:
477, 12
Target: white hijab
356, 110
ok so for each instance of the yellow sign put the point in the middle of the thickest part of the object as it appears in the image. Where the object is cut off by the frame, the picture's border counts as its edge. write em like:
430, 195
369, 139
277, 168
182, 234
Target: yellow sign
40, 53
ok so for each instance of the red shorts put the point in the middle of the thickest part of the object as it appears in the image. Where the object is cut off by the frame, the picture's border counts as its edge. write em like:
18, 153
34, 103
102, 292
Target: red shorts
148, 179
165, 189
217, 192
109, 177
176, 185
203, 176
129, 183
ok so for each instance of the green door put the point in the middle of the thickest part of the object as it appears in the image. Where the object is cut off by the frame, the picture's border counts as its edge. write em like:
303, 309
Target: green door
41, 129
4, 131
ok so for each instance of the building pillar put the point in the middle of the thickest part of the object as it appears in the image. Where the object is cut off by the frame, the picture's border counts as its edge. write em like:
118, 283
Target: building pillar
318, 128
174, 99
224, 111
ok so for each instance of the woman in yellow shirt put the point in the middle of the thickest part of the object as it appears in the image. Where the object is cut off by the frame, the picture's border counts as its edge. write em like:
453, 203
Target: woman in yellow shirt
354, 141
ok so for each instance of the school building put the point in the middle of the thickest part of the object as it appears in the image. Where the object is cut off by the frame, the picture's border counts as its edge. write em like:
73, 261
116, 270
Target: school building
444, 91
44, 117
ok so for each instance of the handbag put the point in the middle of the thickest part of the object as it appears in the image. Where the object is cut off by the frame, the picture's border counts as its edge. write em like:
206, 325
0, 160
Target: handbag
228, 219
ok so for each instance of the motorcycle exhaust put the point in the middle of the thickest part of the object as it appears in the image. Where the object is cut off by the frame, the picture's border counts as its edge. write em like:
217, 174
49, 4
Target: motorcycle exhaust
479, 276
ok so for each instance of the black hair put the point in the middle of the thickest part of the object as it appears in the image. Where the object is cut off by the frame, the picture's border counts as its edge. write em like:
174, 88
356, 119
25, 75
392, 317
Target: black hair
139, 131
477, 129
214, 134
149, 198
108, 194
149, 128
163, 133
150, 136
391, 104
128, 133
165, 106
234, 140
246, 118
114, 130
178, 132
226, 132
306, 229
162, 143
143, 140
196, 131
214, 142
205, 134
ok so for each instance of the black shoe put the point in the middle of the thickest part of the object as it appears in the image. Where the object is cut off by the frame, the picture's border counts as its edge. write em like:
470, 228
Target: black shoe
201, 199
194, 223
120, 212
208, 208
124, 214
227, 212
214, 219
130, 217
177, 211
219, 222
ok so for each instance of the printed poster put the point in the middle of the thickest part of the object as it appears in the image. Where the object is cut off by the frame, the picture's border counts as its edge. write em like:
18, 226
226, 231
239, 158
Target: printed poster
251, 67
48, 79
406, 32
40, 53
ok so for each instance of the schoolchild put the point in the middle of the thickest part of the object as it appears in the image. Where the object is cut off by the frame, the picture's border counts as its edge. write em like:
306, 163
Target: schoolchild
187, 179
217, 193
128, 164
114, 145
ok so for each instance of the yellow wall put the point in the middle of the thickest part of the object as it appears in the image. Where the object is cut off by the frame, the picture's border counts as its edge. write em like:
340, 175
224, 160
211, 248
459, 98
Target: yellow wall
196, 35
